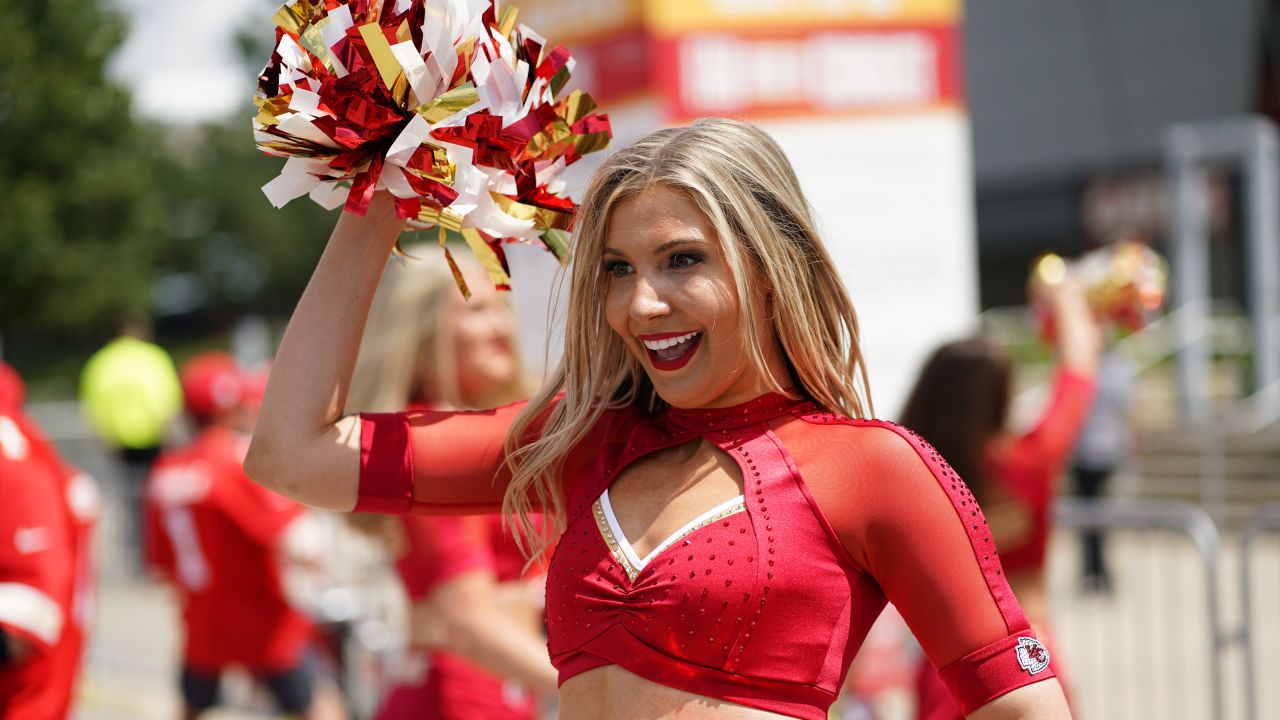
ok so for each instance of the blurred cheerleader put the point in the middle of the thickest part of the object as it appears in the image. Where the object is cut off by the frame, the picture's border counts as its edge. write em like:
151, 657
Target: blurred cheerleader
960, 405
477, 650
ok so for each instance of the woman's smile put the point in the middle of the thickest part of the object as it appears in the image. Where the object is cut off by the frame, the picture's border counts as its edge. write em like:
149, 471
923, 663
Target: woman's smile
671, 351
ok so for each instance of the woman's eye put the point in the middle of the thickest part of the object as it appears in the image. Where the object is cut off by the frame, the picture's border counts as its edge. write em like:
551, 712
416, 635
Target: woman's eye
616, 268
685, 260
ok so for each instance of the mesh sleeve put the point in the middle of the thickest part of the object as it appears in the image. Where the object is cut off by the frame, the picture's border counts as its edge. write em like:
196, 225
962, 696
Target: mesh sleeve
904, 517
434, 461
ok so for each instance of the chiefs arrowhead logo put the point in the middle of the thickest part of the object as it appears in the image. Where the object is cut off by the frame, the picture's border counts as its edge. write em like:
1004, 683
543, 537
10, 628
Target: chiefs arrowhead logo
1033, 656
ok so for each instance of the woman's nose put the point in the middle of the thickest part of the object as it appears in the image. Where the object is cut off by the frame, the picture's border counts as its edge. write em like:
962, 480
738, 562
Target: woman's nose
647, 302
499, 321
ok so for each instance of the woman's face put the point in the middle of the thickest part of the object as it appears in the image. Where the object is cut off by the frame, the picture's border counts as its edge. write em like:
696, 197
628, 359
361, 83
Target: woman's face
483, 331
672, 300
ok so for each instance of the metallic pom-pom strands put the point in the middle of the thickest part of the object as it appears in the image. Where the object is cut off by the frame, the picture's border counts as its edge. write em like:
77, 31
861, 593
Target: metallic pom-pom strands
448, 104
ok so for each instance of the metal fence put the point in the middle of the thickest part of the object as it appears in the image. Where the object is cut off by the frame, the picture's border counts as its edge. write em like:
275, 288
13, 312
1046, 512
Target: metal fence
1147, 647
1260, 612
1191, 624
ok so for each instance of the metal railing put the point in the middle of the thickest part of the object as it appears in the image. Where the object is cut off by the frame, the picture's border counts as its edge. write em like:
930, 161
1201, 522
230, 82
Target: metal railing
1144, 648
1266, 521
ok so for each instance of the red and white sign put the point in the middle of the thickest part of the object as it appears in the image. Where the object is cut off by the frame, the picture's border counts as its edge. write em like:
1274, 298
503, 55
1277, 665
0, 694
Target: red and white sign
819, 71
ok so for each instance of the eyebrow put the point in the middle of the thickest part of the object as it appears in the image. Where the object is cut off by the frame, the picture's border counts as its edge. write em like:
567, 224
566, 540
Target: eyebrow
661, 248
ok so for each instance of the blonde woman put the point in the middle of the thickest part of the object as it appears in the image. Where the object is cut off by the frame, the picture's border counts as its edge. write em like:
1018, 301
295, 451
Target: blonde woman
731, 525
476, 646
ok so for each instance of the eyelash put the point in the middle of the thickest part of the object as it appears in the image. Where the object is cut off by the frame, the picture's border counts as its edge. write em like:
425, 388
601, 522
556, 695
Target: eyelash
615, 268
692, 257
677, 261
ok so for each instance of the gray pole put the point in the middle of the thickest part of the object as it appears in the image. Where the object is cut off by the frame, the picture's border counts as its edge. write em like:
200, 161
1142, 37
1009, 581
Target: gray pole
1189, 234
1263, 186
1252, 143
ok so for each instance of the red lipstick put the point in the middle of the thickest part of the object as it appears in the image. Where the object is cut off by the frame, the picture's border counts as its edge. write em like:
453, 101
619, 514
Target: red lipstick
689, 346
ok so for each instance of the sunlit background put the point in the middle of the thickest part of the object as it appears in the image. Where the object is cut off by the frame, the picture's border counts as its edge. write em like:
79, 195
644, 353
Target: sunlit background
944, 146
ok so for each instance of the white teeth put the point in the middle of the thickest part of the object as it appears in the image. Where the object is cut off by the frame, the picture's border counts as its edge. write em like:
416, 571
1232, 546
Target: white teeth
669, 342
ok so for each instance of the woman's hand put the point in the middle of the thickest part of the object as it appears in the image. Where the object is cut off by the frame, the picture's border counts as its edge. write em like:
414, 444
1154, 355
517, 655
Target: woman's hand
302, 446
1077, 335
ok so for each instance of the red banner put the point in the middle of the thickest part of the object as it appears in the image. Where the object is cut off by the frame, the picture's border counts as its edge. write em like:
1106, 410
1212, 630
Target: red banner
816, 71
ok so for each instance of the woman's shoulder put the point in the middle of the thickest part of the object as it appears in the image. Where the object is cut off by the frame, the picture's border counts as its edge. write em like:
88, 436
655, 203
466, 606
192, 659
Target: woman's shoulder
868, 473
863, 445
871, 440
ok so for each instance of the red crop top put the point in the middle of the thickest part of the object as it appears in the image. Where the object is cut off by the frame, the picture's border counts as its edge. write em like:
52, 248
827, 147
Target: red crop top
763, 601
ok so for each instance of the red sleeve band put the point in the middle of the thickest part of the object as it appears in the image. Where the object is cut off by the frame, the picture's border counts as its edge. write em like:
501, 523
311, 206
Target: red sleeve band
386, 464
987, 673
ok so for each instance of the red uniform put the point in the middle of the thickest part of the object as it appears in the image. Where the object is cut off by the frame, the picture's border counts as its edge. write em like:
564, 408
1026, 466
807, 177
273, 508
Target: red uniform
1027, 471
764, 600
449, 687
218, 536
46, 570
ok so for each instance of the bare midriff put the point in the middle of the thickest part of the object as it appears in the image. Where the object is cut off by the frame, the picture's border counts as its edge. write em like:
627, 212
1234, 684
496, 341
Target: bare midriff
611, 693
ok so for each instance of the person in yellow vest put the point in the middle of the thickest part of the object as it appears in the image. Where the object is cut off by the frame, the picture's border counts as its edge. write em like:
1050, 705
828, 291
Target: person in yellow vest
129, 393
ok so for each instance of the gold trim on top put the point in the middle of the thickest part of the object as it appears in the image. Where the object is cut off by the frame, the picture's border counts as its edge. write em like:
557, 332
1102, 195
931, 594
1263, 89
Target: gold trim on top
615, 549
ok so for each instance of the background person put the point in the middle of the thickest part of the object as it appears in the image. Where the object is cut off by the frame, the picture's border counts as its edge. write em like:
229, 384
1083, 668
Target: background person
1105, 442
223, 541
476, 647
130, 394
47, 515
960, 405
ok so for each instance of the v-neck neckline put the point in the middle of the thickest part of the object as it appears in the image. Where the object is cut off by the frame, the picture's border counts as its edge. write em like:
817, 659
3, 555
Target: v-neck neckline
625, 554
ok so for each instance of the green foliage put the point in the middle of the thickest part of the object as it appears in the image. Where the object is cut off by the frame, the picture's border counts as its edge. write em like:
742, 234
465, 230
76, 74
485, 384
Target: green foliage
99, 213
80, 222
246, 254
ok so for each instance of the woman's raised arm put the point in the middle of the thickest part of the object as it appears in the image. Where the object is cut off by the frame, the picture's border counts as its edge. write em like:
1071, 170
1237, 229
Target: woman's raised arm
1077, 338
303, 448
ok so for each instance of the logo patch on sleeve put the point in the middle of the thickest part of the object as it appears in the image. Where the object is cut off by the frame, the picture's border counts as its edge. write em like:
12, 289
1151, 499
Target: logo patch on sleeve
1033, 656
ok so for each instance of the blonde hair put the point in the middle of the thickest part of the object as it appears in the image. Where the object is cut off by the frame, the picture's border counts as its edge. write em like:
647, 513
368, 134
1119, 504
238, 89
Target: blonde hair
740, 179
407, 327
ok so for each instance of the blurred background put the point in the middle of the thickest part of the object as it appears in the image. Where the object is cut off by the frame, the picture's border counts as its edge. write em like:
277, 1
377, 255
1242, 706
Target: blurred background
944, 146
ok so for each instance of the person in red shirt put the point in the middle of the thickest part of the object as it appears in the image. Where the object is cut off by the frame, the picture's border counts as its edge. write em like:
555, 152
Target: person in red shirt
959, 405
46, 569
476, 646
222, 540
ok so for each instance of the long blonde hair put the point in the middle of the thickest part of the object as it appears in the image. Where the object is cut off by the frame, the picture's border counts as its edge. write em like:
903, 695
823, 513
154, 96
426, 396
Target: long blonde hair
407, 327
740, 179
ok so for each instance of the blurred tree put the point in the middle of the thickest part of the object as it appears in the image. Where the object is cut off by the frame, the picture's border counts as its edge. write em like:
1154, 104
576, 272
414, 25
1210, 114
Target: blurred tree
246, 254
103, 217
81, 222
242, 253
